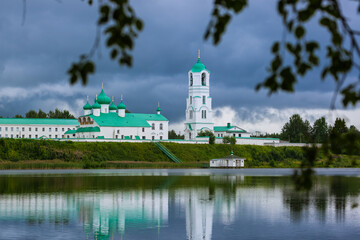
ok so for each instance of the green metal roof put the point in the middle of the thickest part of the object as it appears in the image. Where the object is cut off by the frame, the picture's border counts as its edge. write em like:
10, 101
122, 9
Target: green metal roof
130, 119
198, 66
121, 105
96, 105
158, 109
190, 126
87, 106
70, 132
103, 98
113, 106
228, 129
88, 129
38, 121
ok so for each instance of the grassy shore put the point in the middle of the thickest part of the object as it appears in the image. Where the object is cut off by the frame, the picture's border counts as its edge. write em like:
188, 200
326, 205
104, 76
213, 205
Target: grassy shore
45, 154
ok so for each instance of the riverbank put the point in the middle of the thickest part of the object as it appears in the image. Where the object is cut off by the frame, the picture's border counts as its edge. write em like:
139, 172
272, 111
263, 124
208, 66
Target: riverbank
47, 154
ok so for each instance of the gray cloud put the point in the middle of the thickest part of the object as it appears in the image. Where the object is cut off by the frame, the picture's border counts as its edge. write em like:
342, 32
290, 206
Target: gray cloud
34, 59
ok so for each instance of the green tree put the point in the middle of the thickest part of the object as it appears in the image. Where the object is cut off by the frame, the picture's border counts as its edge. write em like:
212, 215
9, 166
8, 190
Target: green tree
320, 131
173, 135
339, 127
296, 130
18, 116
31, 114
229, 140
60, 114
208, 133
41, 114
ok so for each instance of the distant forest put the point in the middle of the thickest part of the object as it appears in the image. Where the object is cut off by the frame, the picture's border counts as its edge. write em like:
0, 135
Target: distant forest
65, 114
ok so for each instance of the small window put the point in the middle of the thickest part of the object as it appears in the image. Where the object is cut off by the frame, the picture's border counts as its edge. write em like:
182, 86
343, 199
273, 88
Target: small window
6, 135
29, 129
191, 79
153, 137
68, 128
118, 131
190, 99
122, 136
153, 126
143, 129
49, 129
191, 114
239, 135
43, 129
203, 114
17, 129
0, 128
161, 126
63, 129
56, 129
12, 129
36, 129
204, 100
11, 136
62, 136
30, 136
203, 79
0, 135
130, 136
36, 136
160, 137
17, 135
116, 136
234, 134
6, 129
55, 136
50, 136
143, 137
23, 136
23, 129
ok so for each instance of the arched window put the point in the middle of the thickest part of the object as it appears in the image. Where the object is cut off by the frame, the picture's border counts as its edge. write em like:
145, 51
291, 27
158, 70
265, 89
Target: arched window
161, 126
191, 79
203, 114
203, 79
153, 126
191, 114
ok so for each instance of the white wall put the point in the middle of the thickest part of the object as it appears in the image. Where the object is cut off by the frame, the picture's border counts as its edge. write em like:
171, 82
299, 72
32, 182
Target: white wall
34, 130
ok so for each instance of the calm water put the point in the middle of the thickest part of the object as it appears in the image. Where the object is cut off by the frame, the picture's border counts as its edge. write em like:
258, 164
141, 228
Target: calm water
178, 204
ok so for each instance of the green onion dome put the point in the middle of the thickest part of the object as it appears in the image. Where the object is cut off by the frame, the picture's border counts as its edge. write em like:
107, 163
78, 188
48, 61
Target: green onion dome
158, 109
112, 106
198, 66
96, 105
87, 106
103, 98
121, 105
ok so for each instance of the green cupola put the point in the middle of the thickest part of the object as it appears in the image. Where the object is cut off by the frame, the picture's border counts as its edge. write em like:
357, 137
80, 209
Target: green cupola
87, 106
112, 106
103, 98
96, 105
121, 105
198, 66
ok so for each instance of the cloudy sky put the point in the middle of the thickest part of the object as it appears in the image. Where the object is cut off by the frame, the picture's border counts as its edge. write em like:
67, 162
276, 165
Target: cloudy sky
35, 55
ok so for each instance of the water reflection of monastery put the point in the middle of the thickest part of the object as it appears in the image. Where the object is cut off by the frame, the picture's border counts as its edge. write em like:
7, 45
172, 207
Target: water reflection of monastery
109, 214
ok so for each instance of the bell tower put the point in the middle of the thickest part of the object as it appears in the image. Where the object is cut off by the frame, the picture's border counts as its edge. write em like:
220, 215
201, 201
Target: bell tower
198, 103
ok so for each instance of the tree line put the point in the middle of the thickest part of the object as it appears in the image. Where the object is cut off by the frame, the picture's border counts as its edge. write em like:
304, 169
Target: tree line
65, 114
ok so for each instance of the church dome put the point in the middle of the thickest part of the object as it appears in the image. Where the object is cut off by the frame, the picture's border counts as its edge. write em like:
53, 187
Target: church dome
96, 105
112, 106
121, 105
103, 98
158, 109
87, 106
198, 66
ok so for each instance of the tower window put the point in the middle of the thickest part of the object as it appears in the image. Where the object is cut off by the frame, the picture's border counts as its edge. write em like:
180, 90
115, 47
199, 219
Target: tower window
203, 79
204, 99
190, 99
203, 114
153, 126
191, 79
161, 126
191, 114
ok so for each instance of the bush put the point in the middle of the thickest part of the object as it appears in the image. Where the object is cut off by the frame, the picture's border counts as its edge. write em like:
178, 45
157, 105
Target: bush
229, 140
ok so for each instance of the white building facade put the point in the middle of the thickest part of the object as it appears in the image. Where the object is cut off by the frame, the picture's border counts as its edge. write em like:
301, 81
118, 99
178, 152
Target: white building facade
105, 120
198, 104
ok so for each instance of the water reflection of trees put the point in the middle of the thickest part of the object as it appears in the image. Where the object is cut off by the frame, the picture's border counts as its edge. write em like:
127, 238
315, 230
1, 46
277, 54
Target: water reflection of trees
329, 194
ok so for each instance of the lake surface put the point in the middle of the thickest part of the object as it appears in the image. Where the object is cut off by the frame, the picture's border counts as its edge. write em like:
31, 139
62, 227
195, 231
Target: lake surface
178, 204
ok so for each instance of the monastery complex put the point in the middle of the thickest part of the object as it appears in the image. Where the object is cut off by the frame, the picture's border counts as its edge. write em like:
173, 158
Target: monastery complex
105, 121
